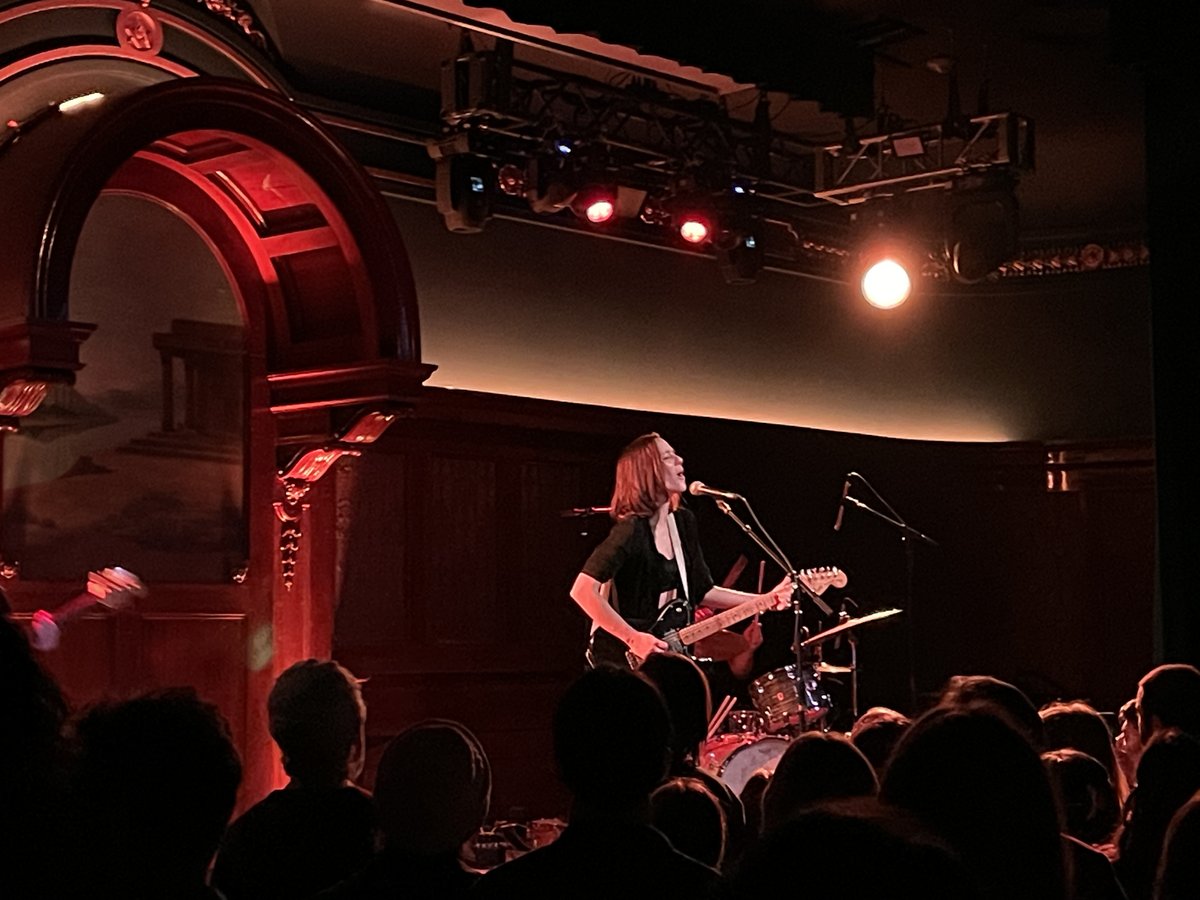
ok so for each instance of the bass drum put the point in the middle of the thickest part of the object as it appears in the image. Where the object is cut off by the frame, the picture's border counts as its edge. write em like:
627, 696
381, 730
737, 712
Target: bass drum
735, 757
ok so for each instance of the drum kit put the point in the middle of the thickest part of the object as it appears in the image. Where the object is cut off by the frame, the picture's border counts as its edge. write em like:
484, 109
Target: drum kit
787, 702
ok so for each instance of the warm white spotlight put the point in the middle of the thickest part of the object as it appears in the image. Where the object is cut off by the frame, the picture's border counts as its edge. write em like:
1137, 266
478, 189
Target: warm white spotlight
886, 284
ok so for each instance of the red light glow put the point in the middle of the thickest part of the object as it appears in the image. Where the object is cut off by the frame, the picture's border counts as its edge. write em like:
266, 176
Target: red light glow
600, 211
694, 231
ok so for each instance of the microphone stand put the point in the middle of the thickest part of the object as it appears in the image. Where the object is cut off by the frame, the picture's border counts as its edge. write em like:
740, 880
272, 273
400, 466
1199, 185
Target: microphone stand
799, 590
908, 536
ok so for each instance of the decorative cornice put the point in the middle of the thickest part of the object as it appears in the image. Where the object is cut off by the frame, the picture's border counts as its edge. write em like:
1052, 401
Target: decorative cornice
238, 16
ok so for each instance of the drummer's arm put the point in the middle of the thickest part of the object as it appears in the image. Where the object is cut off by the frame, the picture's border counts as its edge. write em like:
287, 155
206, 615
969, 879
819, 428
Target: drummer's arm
742, 665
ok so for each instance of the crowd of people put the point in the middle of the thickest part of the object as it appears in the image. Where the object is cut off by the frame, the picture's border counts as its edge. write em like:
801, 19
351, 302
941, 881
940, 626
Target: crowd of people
982, 796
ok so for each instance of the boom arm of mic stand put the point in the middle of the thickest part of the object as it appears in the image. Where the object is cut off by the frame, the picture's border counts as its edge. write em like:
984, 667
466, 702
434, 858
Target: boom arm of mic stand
777, 558
895, 523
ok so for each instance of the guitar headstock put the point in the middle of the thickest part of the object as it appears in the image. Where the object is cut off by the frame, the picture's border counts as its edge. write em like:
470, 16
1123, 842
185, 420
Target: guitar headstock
115, 587
821, 579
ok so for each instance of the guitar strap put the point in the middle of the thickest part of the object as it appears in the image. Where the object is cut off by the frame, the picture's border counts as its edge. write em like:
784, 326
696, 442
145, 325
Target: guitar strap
680, 559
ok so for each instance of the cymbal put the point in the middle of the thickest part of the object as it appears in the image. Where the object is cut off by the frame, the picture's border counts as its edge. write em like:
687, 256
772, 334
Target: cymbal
723, 645
848, 624
826, 669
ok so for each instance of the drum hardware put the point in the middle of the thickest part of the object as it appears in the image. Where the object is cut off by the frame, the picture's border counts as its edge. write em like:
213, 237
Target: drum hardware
823, 668
825, 635
846, 624
909, 537
791, 699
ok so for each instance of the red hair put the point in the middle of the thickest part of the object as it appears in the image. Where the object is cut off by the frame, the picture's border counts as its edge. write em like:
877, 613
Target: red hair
640, 488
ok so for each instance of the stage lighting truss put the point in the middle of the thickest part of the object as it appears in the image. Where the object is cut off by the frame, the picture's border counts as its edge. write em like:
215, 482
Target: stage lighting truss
933, 156
545, 124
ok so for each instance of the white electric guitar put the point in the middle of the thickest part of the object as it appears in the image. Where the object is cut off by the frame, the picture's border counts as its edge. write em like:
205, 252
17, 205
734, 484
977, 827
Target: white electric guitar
113, 588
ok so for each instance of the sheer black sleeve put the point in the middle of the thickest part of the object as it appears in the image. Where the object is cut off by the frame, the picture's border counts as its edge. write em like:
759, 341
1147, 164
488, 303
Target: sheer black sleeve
606, 560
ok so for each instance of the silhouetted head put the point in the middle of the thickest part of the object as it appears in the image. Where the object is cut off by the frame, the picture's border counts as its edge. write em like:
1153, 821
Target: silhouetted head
1088, 797
317, 717
156, 781
432, 788
1078, 726
1168, 774
690, 815
685, 689
1179, 869
1169, 697
967, 690
752, 799
977, 781
612, 739
877, 732
851, 848
816, 766
32, 711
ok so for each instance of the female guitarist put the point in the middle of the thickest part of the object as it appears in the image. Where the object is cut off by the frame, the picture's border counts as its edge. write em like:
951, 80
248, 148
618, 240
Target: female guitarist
650, 559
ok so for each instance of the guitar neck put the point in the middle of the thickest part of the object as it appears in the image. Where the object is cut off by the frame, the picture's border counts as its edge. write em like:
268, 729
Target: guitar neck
697, 632
75, 607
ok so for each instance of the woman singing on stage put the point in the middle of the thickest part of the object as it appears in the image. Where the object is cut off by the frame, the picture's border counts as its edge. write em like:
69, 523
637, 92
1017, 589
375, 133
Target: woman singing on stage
651, 557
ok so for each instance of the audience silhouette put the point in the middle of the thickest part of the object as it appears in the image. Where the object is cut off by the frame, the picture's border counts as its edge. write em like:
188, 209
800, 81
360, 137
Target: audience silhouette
140, 791
432, 792
979, 784
32, 713
1179, 869
155, 782
690, 816
320, 827
816, 766
876, 733
609, 848
855, 848
1168, 774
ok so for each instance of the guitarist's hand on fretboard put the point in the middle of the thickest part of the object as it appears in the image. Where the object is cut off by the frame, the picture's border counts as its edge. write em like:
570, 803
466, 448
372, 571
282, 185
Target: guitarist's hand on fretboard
782, 594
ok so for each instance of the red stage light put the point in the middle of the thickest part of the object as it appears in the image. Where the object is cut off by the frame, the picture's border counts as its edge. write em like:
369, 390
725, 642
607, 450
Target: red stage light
600, 211
694, 230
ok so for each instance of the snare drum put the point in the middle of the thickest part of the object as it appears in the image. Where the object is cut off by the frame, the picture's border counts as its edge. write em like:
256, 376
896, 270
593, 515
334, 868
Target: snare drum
789, 701
735, 757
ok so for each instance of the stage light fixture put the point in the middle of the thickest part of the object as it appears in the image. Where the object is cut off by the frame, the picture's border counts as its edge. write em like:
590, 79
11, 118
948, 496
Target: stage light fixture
694, 228
511, 180
552, 183
694, 218
465, 185
596, 202
886, 283
982, 231
740, 254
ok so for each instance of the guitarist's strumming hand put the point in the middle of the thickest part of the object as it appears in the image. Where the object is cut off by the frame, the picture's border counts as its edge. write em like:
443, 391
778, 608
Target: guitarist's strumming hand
642, 644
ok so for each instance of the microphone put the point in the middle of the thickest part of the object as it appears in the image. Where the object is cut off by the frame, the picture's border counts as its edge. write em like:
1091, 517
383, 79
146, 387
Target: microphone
837, 523
580, 512
699, 488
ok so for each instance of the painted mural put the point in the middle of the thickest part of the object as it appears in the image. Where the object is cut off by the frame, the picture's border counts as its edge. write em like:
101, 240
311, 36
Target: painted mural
139, 463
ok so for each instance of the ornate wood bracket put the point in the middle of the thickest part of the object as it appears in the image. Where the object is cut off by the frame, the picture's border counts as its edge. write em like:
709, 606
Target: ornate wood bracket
307, 468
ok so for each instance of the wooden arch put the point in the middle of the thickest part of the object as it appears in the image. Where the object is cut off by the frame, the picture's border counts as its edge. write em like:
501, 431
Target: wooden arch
317, 264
